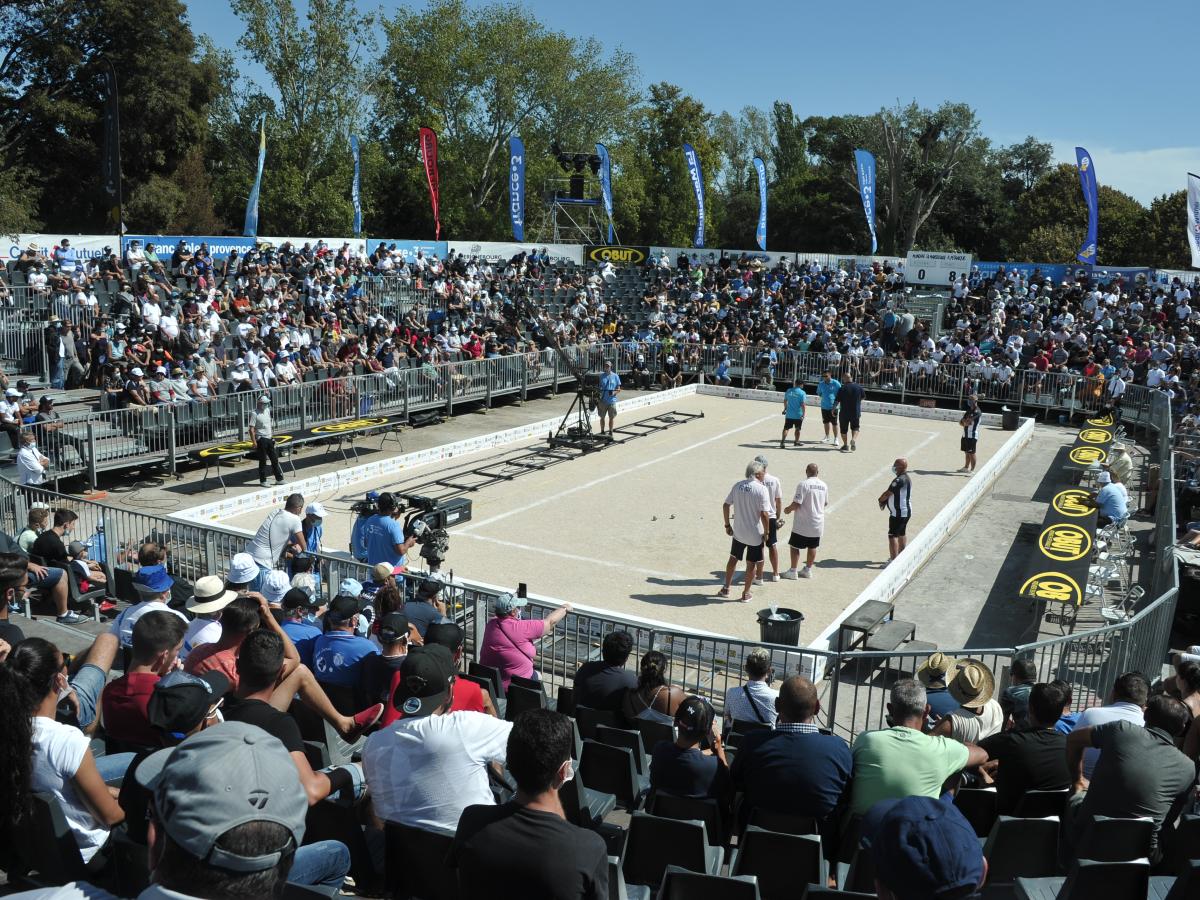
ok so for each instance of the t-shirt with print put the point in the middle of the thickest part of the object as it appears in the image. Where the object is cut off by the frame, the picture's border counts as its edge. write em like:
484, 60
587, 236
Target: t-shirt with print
749, 499
338, 658
382, 534
811, 497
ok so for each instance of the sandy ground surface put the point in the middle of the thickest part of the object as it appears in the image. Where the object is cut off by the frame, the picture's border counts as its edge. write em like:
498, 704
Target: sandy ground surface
637, 528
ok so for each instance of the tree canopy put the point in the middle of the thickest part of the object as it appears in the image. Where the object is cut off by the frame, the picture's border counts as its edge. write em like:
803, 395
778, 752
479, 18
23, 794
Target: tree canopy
478, 75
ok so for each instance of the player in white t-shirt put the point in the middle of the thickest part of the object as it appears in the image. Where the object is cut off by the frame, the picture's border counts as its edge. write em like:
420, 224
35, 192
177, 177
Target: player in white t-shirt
750, 502
775, 490
812, 495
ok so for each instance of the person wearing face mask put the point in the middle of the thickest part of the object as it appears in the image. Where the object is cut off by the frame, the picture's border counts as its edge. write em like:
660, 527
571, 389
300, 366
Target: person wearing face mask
526, 847
51, 545
508, 642
897, 500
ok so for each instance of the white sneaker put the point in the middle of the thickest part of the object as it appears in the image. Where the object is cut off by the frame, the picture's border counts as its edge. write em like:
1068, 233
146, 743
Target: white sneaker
806, 572
758, 581
790, 575
775, 577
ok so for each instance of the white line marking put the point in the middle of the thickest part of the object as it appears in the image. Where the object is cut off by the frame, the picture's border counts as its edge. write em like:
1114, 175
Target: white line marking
884, 471
586, 559
483, 523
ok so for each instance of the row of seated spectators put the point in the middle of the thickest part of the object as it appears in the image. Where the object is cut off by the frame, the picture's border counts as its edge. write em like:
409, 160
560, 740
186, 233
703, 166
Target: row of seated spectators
263, 654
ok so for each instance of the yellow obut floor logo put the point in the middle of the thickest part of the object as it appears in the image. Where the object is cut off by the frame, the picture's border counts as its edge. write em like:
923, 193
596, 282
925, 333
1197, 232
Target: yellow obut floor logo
1065, 542
238, 447
1095, 436
1053, 586
1085, 456
1101, 421
1071, 502
352, 425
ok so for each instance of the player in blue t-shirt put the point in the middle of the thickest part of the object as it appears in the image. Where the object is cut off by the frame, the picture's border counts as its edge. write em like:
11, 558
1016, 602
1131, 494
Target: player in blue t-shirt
609, 385
793, 412
828, 388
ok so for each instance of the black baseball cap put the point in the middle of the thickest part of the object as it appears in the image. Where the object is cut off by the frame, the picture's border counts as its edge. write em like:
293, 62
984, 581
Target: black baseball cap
297, 598
392, 627
343, 608
181, 701
445, 634
426, 680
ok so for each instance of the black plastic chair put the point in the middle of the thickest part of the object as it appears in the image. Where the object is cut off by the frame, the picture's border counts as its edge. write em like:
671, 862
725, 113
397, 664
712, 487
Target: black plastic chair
861, 875
533, 684
588, 718
1041, 804
1108, 839
626, 737
785, 823
45, 853
680, 884
416, 863
566, 700
780, 861
1022, 848
703, 809
612, 770
653, 733
1185, 887
1090, 879
489, 672
653, 843
583, 806
978, 806
521, 699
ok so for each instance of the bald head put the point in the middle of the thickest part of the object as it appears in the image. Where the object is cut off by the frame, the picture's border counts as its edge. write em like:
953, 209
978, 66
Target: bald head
811, 470
901, 465
797, 700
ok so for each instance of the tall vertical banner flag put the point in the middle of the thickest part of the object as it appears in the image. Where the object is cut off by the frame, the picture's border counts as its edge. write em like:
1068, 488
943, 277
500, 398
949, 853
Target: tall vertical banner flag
606, 186
516, 187
1087, 179
1193, 214
760, 233
251, 226
429, 157
697, 179
864, 164
110, 159
355, 189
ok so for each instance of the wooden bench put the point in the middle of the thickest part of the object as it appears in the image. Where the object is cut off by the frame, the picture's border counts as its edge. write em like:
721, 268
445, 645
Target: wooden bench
891, 635
863, 620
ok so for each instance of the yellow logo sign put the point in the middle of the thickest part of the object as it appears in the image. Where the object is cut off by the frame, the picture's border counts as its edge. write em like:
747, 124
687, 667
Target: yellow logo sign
1087, 455
1065, 543
1101, 421
1070, 502
1096, 436
1053, 586
237, 447
352, 425
630, 256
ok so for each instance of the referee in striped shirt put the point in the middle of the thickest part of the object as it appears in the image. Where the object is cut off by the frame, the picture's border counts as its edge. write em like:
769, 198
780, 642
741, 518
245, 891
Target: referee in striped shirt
897, 500
970, 437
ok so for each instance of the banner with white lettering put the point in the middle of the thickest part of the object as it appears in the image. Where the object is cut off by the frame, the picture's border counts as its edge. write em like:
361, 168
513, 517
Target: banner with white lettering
516, 187
760, 233
1193, 212
696, 176
864, 165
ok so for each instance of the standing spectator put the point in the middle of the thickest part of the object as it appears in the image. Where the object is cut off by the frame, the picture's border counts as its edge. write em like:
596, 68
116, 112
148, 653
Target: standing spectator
897, 500
795, 769
753, 701
602, 683
903, 761
280, 535
526, 848
1127, 702
808, 503
1031, 757
262, 436
429, 766
508, 641
793, 412
750, 502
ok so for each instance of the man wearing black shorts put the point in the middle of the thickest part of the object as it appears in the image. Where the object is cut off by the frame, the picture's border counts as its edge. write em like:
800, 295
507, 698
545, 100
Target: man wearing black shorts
750, 502
970, 426
775, 489
849, 401
827, 390
808, 504
897, 500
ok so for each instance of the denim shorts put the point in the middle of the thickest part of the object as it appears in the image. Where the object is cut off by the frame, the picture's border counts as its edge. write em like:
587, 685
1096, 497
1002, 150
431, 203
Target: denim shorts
87, 683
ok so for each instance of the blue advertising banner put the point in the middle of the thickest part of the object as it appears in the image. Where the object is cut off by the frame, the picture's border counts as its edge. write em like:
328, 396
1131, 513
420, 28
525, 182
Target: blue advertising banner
697, 179
1056, 272
355, 196
165, 244
864, 164
606, 186
251, 226
409, 249
516, 187
760, 233
1087, 180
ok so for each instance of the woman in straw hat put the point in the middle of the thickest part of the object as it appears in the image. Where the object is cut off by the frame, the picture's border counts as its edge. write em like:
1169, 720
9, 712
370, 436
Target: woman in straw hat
979, 714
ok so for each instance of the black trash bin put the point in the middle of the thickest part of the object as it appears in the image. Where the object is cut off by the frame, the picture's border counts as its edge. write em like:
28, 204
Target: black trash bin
1010, 419
785, 629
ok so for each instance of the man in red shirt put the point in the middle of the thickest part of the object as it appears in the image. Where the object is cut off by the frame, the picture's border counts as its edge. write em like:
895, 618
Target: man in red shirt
467, 694
157, 639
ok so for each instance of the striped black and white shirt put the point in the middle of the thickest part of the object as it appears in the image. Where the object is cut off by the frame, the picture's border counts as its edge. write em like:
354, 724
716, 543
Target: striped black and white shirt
899, 501
972, 417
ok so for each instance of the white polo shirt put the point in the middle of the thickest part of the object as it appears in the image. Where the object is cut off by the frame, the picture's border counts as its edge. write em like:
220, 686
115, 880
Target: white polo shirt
749, 499
812, 495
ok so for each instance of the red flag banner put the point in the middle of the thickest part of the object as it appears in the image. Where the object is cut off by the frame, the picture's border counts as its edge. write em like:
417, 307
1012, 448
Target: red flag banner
429, 155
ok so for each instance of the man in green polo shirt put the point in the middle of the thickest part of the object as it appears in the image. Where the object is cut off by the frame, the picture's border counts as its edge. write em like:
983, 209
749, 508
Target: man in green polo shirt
901, 761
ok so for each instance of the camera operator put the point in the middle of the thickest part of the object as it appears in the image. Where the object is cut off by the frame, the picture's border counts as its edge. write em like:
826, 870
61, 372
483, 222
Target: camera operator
385, 536
363, 511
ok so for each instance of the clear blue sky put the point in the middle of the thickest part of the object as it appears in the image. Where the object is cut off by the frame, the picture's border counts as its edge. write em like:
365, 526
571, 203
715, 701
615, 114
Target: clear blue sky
1116, 77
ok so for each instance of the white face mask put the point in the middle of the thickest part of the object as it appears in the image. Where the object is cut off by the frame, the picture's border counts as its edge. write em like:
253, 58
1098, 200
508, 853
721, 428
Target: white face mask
569, 773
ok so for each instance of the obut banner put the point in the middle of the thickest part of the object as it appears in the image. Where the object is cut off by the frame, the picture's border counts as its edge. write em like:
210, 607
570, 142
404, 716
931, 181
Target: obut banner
615, 254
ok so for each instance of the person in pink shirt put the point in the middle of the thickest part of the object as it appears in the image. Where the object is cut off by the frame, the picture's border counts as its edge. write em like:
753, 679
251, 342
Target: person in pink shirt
508, 640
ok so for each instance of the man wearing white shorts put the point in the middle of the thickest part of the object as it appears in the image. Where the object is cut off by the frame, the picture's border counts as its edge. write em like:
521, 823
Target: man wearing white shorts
812, 495
751, 505
775, 489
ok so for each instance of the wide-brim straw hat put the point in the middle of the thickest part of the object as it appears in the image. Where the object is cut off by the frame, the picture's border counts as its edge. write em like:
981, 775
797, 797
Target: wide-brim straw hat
938, 667
973, 685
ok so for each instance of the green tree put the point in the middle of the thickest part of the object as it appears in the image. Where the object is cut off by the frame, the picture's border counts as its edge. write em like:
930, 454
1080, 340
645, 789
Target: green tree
1166, 232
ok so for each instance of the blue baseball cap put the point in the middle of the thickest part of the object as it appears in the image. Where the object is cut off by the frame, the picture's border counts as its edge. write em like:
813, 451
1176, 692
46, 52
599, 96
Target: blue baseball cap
923, 848
152, 580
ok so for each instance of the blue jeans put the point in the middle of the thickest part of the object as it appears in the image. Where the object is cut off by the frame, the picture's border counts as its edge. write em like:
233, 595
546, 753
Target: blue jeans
114, 765
57, 379
87, 684
323, 862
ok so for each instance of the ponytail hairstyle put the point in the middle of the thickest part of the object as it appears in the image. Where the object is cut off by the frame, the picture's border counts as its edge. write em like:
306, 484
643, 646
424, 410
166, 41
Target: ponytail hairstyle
25, 678
652, 672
